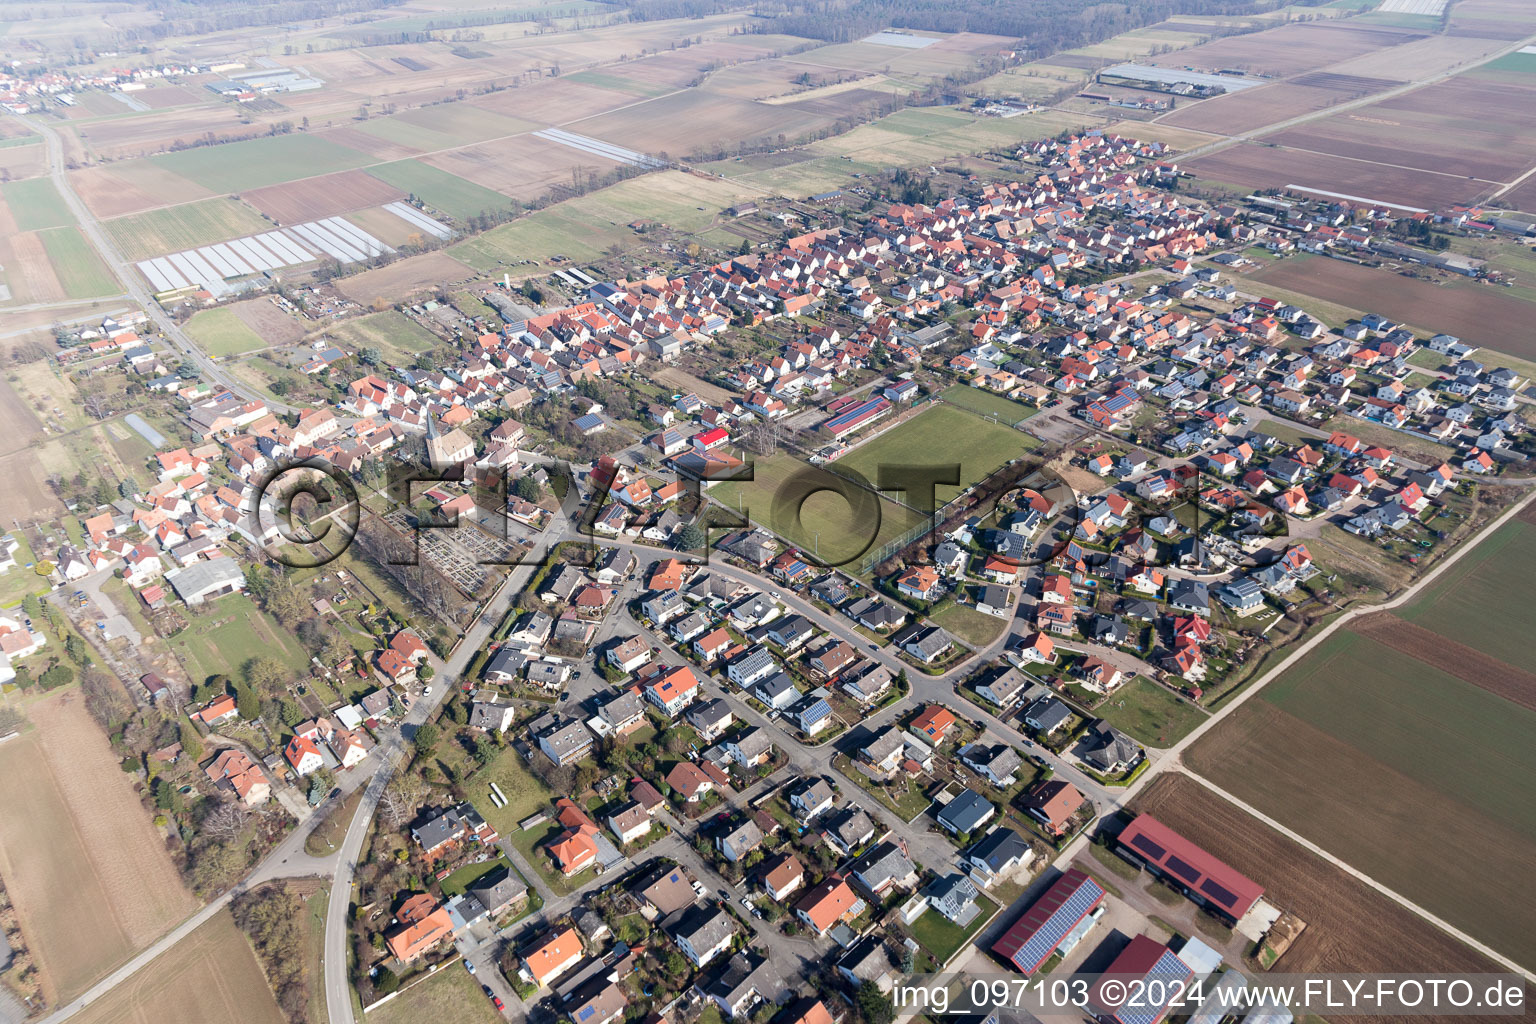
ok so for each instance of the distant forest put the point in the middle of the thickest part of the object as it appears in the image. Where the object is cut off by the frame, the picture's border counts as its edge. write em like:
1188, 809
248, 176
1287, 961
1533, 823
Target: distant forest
203, 16
1044, 25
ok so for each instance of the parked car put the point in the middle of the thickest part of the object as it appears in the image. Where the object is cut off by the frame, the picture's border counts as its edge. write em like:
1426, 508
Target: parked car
496, 1002
469, 967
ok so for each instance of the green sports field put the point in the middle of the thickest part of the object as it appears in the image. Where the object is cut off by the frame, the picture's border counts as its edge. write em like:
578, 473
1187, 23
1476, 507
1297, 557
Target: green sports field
36, 204
239, 166
826, 524
988, 404
942, 435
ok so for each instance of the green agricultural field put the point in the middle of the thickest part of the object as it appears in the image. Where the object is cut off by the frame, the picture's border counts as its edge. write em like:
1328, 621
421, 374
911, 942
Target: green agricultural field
1359, 739
395, 335
988, 404
1426, 724
232, 632
1484, 600
221, 333
176, 228
239, 166
827, 525
36, 204
79, 269
619, 83
941, 435
450, 193
581, 228
1150, 713
554, 231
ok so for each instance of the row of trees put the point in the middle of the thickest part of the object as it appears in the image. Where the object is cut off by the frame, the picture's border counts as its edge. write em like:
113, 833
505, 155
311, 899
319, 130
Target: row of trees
271, 917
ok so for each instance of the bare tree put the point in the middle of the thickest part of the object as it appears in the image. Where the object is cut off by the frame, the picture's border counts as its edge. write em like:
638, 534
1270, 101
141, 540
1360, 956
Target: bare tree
225, 822
400, 800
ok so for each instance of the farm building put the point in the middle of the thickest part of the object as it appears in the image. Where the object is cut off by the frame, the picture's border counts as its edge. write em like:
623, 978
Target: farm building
1056, 921
1145, 960
1209, 882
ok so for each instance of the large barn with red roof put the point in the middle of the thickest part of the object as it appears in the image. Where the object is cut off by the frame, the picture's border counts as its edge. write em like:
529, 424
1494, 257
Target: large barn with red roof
1209, 882
1057, 915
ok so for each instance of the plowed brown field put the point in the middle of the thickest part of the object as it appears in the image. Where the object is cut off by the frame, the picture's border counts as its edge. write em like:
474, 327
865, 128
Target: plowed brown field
1465, 663
1350, 926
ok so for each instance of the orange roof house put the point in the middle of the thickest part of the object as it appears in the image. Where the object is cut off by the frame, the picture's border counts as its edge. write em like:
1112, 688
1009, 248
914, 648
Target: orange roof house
220, 709
409, 646
423, 924
552, 956
668, 575
575, 848
934, 721
828, 903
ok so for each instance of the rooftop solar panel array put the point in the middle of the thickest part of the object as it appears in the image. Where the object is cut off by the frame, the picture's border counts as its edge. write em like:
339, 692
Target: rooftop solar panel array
1149, 1010
1048, 935
1182, 869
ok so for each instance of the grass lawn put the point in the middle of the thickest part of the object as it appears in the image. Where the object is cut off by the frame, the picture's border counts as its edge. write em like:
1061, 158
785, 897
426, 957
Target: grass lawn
455, 196
466, 876
17, 583
1150, 713
175, 228
240, 166
36, 204
525, 792
221, 333
1286, 434
231, 632
826, 524
988, 404
942, 937
908, 805
395, 335
451, 994
327, 836
80, 270
978, 629
942, 435
530, 844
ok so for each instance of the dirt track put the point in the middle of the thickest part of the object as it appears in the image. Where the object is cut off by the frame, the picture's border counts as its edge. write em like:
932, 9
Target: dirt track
1465, 663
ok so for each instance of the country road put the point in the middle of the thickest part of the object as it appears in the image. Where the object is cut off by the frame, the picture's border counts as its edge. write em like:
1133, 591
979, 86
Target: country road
128, 276
1340, 108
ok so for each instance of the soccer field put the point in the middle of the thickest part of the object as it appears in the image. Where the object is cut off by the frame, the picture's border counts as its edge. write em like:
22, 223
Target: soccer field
827, 525
942, 435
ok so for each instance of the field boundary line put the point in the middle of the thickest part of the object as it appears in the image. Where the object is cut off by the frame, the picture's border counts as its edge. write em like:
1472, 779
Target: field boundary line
1173, 753
1357, 874
1252, 134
